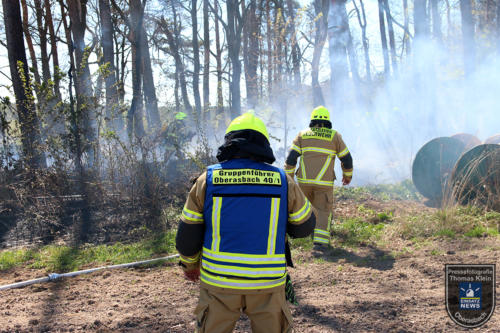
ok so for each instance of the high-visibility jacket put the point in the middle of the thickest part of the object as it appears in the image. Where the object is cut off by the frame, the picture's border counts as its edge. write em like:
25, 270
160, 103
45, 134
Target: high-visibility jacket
245, 214
318, 147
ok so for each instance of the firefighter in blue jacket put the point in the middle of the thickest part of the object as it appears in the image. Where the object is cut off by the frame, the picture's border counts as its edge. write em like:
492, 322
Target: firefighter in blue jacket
233, 229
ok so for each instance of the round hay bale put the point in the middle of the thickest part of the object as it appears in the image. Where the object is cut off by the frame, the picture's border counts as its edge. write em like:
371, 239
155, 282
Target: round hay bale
476, 177
469, 140
433, 165
495, 139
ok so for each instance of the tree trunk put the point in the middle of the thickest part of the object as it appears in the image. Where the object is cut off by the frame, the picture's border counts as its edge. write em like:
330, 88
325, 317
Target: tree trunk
142, 73
295, 47
98, 91
179, 66
362, 24
261, 67
251, 54
245, 41
421, 21
153, 115
69, 42
261, 50
179, 62
53, 51
338, 37
49, 113
28, 119
278, 47
206, 60
31, 49
383, 37
233, 33
122, 66
77, 11
321, 8
468, 37
196, 60
422, 31
42, 33
176, 91
423, 68
120, 63
45, 107
406, 37
55, 117
351, 52
392, 41
218, 58
498, 27
115, 120
135, 124
436, 21
269, 50
448, 19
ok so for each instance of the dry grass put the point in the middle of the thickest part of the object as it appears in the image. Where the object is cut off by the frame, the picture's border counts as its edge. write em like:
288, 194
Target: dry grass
447, 222
477, 183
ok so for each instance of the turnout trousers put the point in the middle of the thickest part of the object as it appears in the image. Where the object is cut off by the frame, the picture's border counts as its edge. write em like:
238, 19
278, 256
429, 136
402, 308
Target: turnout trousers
321, 198
218, 312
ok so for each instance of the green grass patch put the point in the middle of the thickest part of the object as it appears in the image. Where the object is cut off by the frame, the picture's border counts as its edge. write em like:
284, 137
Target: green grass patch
480, 231
404, 252
385, 216
319, 260
445, 233
356, 231
364, 210
61, 258
404, 190
373, 216
435, 252
9, 259
451, 223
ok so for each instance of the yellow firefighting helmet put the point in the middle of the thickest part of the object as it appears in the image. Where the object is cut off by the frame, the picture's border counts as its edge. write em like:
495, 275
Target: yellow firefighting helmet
320, 113
180, 115
248, 121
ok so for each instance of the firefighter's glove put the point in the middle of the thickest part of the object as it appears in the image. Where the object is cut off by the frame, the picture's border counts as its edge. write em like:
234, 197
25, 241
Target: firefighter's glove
191, 271
192, 275
346, 180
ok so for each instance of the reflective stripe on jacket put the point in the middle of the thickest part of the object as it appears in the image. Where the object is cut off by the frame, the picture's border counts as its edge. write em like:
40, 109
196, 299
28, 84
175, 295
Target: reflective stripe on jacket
317, 147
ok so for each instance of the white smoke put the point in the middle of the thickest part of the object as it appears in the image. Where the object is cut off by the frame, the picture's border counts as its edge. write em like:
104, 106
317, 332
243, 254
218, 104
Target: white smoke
404, 113
429, 97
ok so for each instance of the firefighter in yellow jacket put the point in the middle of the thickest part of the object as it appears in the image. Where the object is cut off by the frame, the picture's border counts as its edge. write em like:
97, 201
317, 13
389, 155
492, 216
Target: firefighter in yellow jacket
233, 229
317, 148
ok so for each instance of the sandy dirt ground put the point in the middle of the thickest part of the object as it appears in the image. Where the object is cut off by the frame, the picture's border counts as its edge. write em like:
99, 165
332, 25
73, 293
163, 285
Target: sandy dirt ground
345, 290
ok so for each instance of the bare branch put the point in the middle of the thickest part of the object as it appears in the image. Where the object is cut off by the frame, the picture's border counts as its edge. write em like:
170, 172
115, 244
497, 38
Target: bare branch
217, 15
121, 13
396, 22
8, 77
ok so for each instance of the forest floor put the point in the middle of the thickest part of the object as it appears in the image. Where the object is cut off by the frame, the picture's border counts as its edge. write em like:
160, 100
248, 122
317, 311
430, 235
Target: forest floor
383, 273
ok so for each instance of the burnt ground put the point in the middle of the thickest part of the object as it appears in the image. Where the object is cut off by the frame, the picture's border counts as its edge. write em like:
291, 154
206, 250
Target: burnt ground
395, 287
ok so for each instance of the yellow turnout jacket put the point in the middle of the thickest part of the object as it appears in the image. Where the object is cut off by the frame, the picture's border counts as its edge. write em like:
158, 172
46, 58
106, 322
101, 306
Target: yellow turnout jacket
318, 147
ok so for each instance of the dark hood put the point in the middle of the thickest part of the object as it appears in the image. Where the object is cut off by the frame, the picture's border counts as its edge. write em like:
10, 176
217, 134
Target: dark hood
320, 123
246, 144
